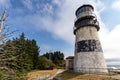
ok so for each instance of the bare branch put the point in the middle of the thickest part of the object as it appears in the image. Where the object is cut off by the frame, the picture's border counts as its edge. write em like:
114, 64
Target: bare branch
5, 32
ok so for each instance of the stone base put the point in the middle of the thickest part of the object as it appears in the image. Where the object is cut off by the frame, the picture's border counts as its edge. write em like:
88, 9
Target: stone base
91, 71
90, 62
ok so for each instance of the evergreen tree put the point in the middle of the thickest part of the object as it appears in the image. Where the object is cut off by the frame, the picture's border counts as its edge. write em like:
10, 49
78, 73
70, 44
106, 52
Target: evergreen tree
23, 52
43, 63
56, 57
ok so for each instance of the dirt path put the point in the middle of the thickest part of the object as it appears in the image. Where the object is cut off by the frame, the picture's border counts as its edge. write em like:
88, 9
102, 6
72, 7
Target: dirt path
58, 72
35, 74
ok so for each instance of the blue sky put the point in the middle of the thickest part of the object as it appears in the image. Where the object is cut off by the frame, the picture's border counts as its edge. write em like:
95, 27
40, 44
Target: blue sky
50, 23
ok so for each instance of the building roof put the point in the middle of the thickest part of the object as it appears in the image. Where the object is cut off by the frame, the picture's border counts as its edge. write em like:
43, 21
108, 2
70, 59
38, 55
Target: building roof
70, 57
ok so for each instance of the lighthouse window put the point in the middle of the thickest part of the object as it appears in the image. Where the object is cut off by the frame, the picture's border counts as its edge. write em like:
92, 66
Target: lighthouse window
87, 9
78, 12
81, 10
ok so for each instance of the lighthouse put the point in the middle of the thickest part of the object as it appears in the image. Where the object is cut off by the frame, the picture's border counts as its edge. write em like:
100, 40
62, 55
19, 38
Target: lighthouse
88, 56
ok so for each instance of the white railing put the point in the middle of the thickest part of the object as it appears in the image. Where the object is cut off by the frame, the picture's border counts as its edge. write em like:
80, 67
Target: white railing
83, 14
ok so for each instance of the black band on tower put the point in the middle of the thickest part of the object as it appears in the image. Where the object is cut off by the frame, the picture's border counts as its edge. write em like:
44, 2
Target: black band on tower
88, 46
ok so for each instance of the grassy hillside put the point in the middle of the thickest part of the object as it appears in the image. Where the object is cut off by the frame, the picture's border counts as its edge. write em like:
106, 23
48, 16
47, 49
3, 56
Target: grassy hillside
6, 75
69, 75
34, 74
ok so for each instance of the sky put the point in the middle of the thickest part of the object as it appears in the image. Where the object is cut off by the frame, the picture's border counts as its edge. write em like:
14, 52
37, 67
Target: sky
51, 22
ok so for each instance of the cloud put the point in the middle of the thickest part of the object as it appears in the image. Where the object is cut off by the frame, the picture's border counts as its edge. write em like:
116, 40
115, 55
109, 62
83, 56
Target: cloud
5, 4
116, 5
111, 43
28, 4
57, 2
44, 48
109, 39
48, 8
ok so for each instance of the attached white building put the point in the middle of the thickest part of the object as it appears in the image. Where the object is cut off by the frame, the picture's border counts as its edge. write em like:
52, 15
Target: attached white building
70, 63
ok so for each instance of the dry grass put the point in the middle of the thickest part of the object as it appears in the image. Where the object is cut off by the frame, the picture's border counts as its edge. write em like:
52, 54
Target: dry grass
35, 74
68, 75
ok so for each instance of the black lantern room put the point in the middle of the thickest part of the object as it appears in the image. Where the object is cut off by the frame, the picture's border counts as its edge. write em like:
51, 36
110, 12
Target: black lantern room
85, 17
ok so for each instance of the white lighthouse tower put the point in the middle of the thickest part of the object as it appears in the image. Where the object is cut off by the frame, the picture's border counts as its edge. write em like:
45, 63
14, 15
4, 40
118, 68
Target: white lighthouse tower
88, 51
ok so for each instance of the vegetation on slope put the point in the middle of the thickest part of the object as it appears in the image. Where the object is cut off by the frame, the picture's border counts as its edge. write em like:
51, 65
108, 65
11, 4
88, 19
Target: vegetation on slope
70, 75
21, 55
57, 58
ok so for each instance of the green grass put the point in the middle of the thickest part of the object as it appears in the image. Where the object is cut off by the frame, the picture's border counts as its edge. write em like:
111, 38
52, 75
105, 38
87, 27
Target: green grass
69, 75
4, 75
